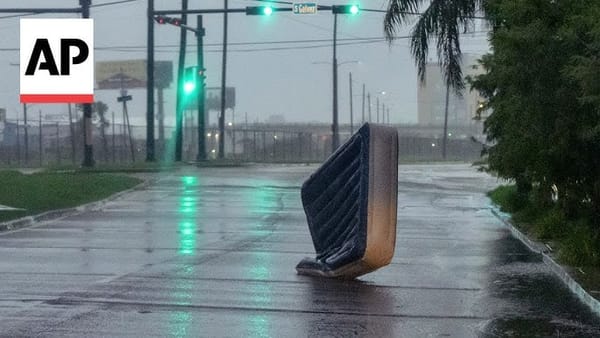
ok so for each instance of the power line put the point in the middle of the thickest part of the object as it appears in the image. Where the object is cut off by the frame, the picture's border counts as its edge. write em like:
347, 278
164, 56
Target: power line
114, 3
322, 43
118, 2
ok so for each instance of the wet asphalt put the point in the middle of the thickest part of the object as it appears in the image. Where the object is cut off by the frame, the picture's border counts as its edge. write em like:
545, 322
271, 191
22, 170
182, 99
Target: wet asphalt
211, 252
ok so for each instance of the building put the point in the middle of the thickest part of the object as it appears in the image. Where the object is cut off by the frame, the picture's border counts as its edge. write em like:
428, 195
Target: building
432, 97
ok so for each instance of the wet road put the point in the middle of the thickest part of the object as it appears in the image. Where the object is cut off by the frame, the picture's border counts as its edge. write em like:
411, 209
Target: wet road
211, 252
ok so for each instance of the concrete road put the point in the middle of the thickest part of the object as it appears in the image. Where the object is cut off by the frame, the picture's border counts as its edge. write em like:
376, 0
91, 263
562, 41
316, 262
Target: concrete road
211, 252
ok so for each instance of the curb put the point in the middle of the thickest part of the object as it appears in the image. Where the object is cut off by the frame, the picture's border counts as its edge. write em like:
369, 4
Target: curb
28, 221
538, 248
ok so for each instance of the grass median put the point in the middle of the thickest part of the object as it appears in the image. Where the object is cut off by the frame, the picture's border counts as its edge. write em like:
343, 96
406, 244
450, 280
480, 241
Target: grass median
40, 192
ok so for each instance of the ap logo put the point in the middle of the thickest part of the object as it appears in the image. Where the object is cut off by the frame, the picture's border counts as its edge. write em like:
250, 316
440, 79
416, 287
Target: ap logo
57, 61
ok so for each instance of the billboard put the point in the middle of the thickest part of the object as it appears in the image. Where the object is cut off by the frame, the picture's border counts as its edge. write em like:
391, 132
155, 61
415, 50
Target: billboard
57, 60
131, 74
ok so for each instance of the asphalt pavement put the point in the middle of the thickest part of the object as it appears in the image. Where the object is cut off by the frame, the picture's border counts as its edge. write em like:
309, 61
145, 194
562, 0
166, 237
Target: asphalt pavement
211, 252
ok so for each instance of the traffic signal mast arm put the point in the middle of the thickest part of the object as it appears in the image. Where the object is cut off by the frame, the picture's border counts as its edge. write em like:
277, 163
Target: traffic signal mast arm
255, 10
161, 19
335, 9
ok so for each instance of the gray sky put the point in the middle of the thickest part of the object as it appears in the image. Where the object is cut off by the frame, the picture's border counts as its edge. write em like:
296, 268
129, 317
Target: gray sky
269, 78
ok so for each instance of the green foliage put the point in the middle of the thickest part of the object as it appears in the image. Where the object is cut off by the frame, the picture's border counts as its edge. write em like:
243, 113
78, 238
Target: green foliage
507, 198
552, 225
577, 241
442, 21
581, 247
542, 86
41, 192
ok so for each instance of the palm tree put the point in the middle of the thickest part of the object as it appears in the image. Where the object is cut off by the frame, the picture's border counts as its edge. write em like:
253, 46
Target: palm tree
443, 21
101, 108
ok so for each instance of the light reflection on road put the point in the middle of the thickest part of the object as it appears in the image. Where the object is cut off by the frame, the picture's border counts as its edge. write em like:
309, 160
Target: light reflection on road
263, 203
189, 217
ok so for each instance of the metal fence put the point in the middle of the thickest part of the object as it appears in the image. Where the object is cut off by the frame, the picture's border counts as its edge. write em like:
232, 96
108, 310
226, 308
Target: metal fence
46, 143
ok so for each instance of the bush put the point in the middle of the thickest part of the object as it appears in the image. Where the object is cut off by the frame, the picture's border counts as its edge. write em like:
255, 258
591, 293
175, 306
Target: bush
577, 240
507, 197
581, 246
552, 225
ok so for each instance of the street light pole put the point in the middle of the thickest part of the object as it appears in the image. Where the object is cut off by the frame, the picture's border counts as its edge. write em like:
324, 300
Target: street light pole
335, 139
363, 104
369, 104
377, 109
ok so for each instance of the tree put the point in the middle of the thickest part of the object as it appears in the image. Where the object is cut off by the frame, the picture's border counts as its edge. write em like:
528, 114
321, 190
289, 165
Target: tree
99, 110
542, 84
444, 20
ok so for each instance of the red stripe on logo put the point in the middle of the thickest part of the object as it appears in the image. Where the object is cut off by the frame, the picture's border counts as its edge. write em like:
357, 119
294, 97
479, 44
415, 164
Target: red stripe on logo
57, 98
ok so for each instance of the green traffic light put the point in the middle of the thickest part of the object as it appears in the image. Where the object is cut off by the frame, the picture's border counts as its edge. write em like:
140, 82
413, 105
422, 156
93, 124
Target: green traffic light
189, 87
268, 10
345, 9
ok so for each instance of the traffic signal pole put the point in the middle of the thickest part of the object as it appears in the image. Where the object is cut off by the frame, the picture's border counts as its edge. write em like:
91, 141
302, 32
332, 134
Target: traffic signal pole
260, 10
201, 91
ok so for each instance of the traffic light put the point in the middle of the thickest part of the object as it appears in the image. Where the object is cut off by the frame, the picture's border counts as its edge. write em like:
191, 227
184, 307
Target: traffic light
161, 19
190, 80
259, 10
345, 9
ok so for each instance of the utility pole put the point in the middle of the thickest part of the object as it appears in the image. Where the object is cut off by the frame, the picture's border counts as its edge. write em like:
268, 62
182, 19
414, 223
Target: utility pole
88, 151
201, 91
150, 150
180, 70
72, 130
124, 98
363, 104
445, 139
351, 112
161, 122
369, 104
223, 84
18, 143
335, 138
41, 148
26, 134
377, 109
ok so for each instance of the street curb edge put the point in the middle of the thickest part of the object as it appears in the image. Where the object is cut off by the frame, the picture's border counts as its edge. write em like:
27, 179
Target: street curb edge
31, 220
592, 303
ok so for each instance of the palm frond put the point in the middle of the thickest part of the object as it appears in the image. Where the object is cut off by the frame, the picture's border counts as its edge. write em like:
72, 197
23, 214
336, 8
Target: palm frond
443, 21
398, 13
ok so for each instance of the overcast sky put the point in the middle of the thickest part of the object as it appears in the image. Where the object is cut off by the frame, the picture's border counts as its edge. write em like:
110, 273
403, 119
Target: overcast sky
293, 79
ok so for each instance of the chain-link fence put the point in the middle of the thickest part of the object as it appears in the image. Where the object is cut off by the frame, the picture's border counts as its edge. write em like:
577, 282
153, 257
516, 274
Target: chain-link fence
47, 143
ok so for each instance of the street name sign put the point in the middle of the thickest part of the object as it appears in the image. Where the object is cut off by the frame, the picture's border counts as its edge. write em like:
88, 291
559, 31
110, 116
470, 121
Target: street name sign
305, 8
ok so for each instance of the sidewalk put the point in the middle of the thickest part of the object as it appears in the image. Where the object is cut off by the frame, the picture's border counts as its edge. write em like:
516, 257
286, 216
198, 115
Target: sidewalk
211, 252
